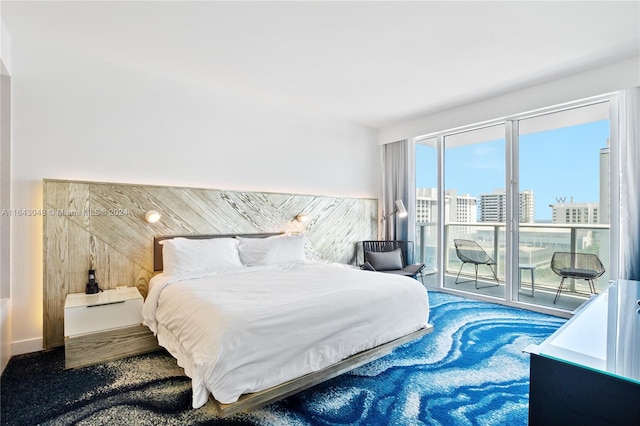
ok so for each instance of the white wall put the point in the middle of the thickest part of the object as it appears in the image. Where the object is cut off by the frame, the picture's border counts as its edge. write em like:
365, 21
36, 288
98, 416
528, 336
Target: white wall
5, 196
610, 78
5, 47
79, 116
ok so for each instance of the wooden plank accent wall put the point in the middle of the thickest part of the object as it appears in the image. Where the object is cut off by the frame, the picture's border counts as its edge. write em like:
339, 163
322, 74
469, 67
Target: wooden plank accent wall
101, 226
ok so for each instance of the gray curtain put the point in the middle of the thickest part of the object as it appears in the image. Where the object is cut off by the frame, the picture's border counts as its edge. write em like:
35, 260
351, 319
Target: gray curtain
629, 135
398, 183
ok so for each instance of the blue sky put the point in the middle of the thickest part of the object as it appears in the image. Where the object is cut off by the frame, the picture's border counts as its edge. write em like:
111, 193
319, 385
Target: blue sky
562, 162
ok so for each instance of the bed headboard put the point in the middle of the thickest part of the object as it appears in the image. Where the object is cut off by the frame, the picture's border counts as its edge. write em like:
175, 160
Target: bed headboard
157, 247
101, 226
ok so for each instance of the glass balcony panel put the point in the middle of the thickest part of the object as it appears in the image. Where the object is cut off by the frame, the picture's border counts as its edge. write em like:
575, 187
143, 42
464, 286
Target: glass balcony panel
475, 208
462, 276
537, 245
426, 246
427, 208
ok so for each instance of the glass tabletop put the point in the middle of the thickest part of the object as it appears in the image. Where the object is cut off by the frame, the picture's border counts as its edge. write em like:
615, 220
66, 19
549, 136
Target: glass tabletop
602, 336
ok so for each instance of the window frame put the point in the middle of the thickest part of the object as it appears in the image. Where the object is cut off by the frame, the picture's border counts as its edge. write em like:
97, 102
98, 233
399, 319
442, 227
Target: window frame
511, 126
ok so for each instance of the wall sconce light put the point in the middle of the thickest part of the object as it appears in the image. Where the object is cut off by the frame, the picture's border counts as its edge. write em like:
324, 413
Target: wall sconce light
302, 218
152, 216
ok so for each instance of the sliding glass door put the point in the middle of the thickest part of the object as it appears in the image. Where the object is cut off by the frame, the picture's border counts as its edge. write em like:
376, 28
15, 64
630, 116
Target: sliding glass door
427, 208
563, 201
495, 202
474, 210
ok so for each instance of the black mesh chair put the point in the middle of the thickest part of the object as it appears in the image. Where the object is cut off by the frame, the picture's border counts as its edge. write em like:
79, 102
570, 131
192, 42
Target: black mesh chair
584, 266
468, 251
391, 257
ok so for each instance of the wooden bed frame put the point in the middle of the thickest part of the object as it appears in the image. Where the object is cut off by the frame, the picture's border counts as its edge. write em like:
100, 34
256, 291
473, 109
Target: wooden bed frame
253, 401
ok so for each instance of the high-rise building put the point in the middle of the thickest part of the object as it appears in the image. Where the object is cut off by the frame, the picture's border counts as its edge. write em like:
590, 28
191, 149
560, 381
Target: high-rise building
466, 207
527, 207
575, 212
426, 205
457, 208
493, 206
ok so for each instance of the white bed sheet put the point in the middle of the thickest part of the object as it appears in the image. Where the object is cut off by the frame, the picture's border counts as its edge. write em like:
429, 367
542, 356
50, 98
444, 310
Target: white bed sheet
245, 330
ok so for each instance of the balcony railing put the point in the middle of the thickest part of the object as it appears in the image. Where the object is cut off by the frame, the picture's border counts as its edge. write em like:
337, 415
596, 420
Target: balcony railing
538, 242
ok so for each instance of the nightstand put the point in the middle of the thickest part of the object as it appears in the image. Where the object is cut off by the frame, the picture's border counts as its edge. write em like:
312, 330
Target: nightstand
104, 327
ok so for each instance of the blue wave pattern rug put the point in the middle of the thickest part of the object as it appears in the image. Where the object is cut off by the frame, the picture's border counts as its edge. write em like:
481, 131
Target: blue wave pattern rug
470, 371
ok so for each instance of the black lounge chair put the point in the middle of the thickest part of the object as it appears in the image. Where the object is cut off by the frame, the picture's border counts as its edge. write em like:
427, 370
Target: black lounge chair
390, 257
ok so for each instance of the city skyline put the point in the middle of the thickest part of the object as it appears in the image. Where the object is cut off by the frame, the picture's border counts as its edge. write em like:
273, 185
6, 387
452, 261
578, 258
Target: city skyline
562, 163
492, 208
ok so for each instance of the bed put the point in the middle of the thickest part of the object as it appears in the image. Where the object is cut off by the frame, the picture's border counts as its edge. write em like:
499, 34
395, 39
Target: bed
251, 320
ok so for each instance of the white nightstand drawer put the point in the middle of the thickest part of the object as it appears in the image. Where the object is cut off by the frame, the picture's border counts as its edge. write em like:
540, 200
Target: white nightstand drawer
104, 327
109, 310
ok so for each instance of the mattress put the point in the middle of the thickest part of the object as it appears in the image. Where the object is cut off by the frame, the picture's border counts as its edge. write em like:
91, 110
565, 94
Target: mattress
247, 329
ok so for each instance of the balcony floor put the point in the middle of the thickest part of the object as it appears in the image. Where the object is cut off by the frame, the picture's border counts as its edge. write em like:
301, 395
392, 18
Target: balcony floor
568, 301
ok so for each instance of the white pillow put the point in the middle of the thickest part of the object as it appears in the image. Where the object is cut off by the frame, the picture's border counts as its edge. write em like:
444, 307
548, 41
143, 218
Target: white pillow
271, 250
181, 255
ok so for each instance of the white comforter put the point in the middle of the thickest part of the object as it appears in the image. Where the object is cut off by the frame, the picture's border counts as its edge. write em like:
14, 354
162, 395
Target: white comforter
245, 330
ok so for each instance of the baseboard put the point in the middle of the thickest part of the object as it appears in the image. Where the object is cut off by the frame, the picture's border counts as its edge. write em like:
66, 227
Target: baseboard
26, 346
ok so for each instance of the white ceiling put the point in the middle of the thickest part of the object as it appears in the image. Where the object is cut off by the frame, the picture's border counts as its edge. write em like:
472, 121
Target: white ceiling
373, 63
